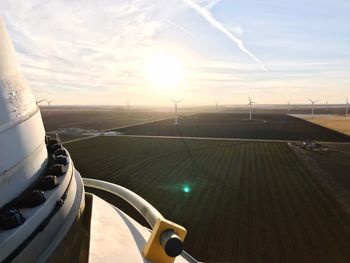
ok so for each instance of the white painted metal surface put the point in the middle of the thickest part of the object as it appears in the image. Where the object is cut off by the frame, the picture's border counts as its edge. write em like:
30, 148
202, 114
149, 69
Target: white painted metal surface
115, 237
22, 151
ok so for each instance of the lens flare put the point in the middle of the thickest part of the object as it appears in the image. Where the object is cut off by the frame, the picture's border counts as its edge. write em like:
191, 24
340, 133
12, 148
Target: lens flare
186, 188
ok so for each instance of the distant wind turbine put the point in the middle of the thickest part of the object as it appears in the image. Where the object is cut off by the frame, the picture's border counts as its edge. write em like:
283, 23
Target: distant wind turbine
347, 107
326, 106
250, 104
216, 105
176, 113
127, 105
288, 102
312, 105
48, 102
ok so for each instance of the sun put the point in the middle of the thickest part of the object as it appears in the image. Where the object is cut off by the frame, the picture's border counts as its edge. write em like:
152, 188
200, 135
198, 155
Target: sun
165, 71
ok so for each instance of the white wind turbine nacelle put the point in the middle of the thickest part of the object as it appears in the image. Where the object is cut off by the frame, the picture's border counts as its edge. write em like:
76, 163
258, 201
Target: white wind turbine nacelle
23, 153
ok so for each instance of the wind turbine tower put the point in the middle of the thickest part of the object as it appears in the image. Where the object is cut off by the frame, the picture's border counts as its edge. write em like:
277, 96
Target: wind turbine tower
312, 105
288, 106
326, 107
216, 105
127, 105
176, 113
250, 104
347, 107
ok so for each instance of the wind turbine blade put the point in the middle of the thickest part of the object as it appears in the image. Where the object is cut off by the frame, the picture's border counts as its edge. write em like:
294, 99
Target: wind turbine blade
310, 100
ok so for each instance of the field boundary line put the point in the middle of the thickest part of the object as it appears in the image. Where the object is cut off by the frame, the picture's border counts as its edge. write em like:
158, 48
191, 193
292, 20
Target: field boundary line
217, 138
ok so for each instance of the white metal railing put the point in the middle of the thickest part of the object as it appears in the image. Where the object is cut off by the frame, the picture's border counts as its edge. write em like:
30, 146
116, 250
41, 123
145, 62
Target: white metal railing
150, 213
141, 205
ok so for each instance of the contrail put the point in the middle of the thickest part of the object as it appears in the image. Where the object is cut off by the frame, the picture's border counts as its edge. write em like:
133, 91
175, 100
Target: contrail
212, 4
207, 16
180, 27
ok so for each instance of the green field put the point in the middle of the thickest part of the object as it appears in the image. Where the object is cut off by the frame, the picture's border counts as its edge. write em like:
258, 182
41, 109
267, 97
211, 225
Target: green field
240, 201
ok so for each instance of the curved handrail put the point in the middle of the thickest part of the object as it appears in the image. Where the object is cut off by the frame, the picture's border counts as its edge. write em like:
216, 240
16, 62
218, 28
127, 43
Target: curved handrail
141, 205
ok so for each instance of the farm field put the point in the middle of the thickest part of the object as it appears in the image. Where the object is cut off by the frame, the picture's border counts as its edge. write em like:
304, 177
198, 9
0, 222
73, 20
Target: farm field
332, 168
61, 119
283, 109
268, 126
240, 201
99, 120
337, 123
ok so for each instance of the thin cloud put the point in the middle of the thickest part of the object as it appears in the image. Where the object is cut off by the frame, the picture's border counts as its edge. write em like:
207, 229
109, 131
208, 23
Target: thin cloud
102, 49
216, 24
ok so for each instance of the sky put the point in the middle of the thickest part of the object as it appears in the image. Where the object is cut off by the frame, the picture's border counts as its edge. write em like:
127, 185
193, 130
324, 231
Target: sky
89, 52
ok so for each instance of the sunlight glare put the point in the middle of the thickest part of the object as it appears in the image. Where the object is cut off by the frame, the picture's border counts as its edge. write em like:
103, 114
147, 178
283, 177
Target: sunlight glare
165, 71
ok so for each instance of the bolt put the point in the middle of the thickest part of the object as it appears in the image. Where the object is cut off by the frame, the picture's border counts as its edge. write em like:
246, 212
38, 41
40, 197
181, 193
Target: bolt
51, 141
61, 160
57, 169
54, 147
61, 152
48, 182
11, 218
34, 198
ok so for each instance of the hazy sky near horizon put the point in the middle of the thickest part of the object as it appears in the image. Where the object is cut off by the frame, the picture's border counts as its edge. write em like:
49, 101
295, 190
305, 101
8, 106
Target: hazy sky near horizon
97, 52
